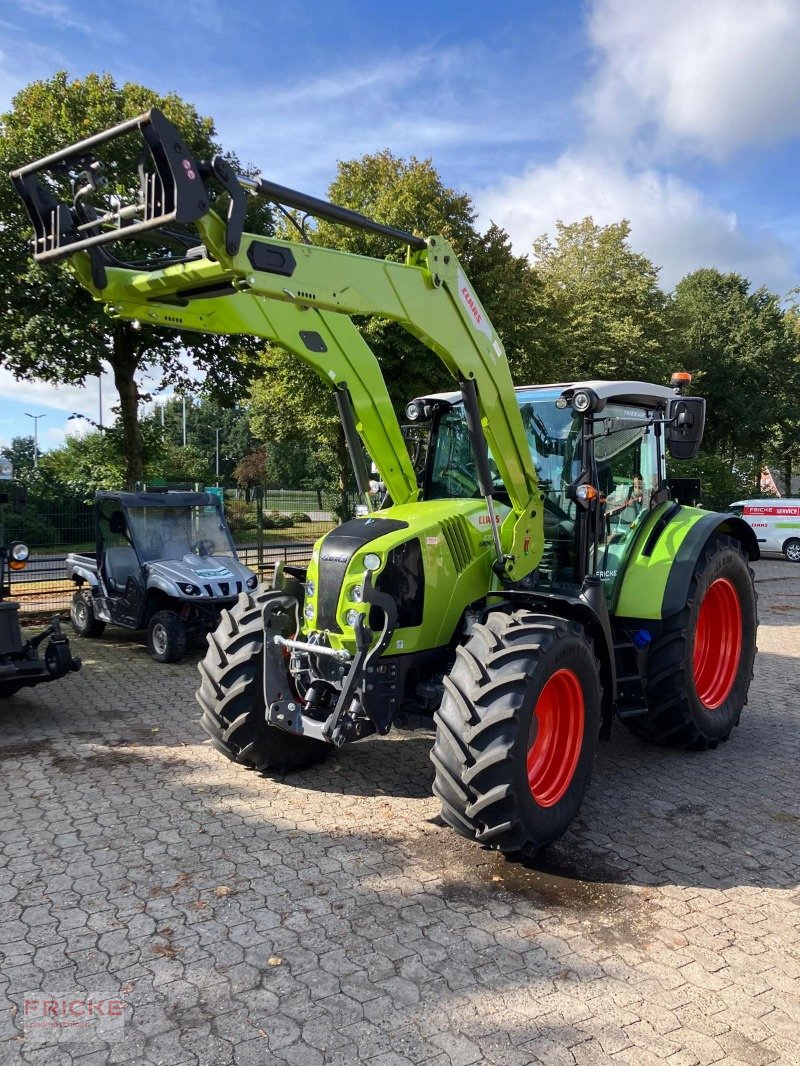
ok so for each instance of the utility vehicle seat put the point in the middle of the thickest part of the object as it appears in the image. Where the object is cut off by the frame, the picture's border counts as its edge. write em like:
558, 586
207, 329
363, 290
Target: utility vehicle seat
120, 564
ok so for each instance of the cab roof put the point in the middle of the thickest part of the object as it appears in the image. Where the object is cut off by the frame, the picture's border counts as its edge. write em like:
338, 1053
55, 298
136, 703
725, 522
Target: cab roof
638, 392
159, 499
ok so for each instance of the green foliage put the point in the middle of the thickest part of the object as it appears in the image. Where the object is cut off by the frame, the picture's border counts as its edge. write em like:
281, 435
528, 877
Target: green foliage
298, 517
410, 195
743, 350
203, 416
289, 405
276, 520
50, 328
721, 483
97, 461
604, 311
241, 515
21, 454
33, 527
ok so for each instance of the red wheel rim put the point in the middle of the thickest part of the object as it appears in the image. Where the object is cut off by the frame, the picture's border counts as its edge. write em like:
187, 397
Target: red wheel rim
717, 643
556, 747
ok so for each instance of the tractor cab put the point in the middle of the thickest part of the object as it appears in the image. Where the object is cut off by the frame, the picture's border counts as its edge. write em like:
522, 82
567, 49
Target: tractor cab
599, 449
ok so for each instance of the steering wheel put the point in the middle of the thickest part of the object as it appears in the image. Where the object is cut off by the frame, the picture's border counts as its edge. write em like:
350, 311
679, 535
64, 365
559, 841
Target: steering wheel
203, 547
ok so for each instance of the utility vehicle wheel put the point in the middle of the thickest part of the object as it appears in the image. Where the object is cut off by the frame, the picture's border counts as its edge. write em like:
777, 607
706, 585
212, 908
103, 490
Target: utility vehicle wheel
166, 637
517, 730
700, 669
231, 695
81, 614
791, 550
9, 688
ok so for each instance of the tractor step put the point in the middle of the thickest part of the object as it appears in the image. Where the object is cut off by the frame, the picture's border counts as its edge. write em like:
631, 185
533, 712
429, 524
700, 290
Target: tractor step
631, 712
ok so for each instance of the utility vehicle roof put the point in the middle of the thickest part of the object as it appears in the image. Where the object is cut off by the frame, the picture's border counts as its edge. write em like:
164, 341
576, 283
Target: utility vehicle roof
641, 392
160, 499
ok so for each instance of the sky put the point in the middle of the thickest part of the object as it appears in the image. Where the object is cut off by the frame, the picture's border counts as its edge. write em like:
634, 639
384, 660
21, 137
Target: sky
682, 117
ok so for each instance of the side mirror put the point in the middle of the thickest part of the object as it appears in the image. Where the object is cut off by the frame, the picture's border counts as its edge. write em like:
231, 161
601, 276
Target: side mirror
687, 416
685, 490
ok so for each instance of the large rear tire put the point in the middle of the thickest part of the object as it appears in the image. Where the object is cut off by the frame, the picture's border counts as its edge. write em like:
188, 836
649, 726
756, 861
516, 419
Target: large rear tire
231, 695
517, 731
699, 671
82, 616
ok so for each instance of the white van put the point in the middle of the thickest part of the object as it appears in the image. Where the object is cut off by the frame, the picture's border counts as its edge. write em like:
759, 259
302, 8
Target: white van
776, 524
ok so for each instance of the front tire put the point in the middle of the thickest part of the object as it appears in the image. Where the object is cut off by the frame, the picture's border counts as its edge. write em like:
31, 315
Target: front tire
9, 689
791, 550
82, 616
231, 695
517, 731
699, 671
166, 637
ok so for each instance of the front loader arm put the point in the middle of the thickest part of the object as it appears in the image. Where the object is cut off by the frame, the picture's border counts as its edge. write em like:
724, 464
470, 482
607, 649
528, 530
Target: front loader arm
300, 296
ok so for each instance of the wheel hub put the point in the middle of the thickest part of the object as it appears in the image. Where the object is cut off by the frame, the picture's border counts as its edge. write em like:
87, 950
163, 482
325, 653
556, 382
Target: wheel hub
557, 730
160, 639
717, 643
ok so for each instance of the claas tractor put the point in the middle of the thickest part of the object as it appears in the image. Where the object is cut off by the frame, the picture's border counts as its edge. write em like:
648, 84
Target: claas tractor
528, 580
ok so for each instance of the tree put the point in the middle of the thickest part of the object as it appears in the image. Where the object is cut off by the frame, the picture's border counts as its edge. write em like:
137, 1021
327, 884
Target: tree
605, 312
204, 415
410, 195
743, 350
50, 328
288, 406
21, 455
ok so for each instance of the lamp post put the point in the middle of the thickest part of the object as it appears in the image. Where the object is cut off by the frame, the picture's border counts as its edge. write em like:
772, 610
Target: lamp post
216, 453
35, 437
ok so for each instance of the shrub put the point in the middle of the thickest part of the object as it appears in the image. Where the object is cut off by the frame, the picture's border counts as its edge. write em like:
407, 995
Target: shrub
299, 516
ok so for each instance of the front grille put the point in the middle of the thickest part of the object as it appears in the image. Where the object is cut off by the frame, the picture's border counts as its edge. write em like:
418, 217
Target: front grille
403, 578
330, 576
457, 540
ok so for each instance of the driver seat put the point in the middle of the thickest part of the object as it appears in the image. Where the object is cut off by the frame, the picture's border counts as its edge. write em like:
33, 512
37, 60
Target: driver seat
121, 564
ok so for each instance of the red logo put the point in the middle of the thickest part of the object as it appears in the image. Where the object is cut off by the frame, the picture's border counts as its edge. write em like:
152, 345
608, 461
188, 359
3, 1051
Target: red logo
774, 510
470, 302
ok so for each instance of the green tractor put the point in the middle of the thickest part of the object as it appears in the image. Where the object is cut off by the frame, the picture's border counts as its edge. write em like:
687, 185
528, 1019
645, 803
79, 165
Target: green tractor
527, 579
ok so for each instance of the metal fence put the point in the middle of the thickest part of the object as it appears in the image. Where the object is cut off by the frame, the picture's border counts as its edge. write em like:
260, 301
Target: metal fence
267, 526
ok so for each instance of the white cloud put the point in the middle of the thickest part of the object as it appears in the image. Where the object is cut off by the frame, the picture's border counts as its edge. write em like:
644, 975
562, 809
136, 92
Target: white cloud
72, 398
709, 77
671, 221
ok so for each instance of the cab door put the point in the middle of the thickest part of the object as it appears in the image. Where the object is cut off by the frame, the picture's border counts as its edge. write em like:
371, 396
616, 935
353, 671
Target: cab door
629, 468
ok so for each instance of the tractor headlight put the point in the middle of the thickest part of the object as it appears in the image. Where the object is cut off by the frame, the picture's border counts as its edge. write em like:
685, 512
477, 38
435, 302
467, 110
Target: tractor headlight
308, 611
584, 401
356, 594
251, 583
20, 552
372, 561
311, 588
188, 589
352, 617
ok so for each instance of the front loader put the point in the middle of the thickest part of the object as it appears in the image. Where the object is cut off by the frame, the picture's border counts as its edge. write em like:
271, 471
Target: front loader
525, 584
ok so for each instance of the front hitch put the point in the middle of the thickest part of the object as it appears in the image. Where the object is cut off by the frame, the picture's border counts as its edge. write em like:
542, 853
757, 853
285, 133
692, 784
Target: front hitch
359, 709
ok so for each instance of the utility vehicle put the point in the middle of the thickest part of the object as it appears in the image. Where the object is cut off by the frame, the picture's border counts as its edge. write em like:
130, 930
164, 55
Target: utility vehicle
532, 581
164, 562
775, 522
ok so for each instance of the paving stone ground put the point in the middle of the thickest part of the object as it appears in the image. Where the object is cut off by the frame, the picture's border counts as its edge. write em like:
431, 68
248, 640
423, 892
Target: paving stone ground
330, 919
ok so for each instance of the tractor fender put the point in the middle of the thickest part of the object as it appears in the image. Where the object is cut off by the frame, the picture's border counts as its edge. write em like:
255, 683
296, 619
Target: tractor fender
677, 589
658, 570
